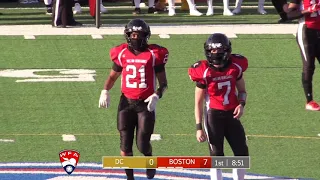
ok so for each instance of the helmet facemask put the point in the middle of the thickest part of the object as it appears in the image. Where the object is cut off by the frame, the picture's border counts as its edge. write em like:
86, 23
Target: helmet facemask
137, 40
217, 55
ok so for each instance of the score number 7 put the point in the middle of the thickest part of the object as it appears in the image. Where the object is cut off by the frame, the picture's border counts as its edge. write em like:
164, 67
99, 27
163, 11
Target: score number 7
226, 95
317, 13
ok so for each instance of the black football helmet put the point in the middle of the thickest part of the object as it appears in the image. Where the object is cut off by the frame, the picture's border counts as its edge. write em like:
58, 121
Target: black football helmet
220, 42
140, 26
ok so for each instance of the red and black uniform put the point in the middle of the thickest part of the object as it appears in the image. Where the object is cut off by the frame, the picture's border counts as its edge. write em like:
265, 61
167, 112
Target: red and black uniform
308, 38
138, 82
221, 101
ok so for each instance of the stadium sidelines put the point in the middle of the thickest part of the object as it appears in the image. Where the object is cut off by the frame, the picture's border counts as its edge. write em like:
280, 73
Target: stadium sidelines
130, 7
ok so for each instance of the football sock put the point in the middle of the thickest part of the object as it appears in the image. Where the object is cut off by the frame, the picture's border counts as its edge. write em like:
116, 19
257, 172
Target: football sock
307, 87
150, 3
216, 174
238, 4
137, 3
48, 3
238, 174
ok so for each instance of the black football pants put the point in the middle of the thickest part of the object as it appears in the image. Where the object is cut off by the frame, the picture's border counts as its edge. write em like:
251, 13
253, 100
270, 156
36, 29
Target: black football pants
133, 114
221, 124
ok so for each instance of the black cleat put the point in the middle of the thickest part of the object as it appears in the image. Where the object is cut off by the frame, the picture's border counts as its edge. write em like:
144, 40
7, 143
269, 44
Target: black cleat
151, 173
283, 21
59, 26
152, 10
49, 11
136, 11
75, 23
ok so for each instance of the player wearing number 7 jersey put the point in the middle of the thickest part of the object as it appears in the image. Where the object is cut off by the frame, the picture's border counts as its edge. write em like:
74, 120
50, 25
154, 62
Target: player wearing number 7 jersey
219, 81
139, 65
308, 38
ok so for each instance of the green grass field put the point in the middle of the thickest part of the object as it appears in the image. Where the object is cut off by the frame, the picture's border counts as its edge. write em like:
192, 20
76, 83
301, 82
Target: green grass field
282, 135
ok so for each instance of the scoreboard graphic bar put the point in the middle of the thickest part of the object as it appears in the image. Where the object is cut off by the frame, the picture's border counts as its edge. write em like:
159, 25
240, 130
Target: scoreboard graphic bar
183, 162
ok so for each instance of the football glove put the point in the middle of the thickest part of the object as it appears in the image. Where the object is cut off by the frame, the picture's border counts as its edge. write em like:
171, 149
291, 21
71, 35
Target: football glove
153, 99
104, 101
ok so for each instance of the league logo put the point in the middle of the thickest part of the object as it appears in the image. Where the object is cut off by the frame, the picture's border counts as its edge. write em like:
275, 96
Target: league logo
69, 160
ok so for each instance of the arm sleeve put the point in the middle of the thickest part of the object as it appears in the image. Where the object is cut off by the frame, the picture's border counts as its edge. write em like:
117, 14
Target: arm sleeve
116, 67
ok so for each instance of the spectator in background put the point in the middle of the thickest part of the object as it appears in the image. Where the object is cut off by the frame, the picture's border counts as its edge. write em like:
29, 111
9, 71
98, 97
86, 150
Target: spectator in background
226, 10
48, 4
192, 8
62, 14
281, 7
77, 7
28, 1
238, 4
151, 9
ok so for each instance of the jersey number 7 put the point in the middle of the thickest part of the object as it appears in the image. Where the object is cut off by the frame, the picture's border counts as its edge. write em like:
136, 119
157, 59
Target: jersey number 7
226, 95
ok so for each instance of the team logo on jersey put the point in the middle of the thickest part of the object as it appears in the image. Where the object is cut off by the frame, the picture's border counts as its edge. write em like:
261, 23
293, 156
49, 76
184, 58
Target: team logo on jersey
69, 160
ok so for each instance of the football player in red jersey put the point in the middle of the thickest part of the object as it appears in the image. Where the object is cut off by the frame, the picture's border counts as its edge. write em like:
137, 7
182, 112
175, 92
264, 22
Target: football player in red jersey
139, 65
219, 81
308, 38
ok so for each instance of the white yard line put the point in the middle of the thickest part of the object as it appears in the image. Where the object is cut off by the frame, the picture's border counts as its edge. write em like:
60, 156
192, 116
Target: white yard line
230, 30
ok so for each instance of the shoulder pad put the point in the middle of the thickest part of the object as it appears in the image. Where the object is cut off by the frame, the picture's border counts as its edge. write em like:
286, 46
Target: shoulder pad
196, 64
239, 56
241, 61
196, 71
155, 46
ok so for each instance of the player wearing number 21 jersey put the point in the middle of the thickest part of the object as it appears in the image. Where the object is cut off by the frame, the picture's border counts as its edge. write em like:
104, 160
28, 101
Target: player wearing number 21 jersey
140, 66
220, 83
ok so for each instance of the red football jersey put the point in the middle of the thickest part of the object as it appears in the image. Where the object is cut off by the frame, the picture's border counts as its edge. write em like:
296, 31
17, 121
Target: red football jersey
221, 85
312, 20
138, 79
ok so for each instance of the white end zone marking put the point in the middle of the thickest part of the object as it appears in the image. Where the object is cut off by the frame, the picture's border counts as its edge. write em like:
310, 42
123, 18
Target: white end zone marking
117, 29
96, 36
294, 34
29, 37
6, 140
155, 137
164, 36
68, 137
